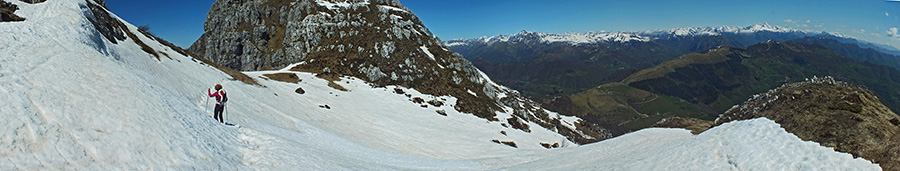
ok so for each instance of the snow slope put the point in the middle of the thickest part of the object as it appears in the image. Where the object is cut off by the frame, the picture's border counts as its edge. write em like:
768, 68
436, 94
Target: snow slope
757, 144
73, 100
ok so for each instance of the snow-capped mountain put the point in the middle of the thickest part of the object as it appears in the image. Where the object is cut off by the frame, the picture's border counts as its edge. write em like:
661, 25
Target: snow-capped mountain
623, 37
537, 37
84, 90
714, 31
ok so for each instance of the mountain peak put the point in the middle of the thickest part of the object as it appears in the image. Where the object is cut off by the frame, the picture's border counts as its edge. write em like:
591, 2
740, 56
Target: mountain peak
539, 37
768, 27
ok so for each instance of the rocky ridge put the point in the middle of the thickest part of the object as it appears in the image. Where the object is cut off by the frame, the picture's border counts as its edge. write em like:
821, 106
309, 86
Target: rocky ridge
833, 113
379, 41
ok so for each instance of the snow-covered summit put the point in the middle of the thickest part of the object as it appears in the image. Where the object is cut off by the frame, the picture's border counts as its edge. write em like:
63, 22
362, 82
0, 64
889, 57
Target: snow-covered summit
713, 31
571, 38
628, 36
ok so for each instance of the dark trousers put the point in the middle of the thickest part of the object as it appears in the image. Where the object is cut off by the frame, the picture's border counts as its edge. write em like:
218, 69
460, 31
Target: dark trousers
218, 113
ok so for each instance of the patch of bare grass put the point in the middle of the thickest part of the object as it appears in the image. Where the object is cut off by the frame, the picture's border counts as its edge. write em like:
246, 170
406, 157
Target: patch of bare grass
284, 77
337, 86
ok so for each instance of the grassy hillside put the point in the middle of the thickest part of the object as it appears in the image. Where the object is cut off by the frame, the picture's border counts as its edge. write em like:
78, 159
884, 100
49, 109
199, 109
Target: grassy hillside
716, 85
622, 108
704, 85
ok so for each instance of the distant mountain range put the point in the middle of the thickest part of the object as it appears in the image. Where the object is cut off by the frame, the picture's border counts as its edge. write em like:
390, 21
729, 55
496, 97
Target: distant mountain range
543, 64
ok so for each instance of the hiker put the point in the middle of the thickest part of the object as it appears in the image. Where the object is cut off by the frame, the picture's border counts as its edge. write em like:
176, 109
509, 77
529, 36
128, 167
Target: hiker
221, 98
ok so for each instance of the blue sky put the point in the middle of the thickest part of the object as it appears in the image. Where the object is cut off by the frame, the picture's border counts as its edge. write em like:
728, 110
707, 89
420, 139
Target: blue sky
181, 22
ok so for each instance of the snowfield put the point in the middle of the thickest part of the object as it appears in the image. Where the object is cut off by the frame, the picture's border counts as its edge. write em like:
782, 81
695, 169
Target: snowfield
71, 99
757, 144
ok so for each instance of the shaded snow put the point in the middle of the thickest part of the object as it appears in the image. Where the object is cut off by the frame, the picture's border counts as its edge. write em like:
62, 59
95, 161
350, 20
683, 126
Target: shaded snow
430, 56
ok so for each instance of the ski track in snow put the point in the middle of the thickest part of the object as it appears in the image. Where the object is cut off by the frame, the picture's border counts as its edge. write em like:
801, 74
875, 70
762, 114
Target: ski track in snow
73, 100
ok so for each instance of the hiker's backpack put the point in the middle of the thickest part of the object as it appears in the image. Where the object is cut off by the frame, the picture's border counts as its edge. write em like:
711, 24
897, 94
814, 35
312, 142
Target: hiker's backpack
224, 97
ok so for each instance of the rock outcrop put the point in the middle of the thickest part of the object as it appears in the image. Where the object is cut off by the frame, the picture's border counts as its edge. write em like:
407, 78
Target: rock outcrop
833, 113
380, 41
7, 11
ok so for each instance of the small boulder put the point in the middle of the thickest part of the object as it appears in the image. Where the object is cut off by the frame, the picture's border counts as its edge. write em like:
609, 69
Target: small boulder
436, 103
418, 100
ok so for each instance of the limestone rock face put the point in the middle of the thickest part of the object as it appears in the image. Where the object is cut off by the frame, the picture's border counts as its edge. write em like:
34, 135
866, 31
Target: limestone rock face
380, 41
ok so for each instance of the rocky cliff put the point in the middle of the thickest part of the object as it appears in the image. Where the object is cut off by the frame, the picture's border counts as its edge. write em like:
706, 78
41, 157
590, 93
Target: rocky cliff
380, 41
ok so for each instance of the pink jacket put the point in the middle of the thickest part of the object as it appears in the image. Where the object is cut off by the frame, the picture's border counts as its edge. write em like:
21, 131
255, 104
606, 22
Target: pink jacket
218, 95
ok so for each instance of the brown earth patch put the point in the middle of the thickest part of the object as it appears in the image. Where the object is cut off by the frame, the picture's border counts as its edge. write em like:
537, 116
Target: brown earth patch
337, 86
284, 77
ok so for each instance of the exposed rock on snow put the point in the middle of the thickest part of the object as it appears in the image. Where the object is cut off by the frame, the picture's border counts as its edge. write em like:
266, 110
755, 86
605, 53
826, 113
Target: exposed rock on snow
7, 11
40, 1
108, 26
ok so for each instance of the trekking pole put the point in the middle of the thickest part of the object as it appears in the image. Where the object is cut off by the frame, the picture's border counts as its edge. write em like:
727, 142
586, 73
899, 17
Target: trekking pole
207, 103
